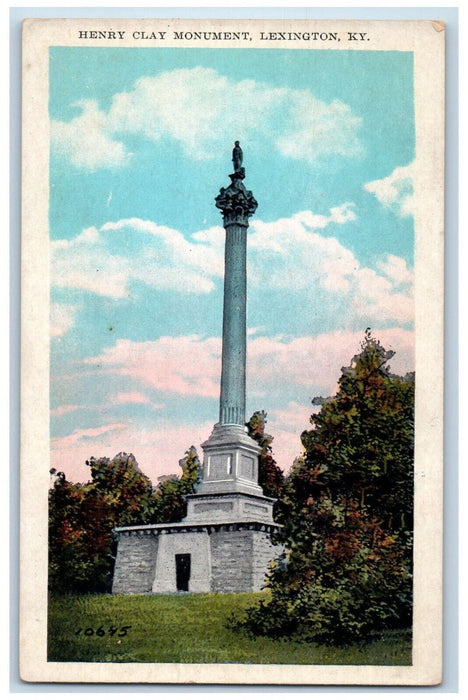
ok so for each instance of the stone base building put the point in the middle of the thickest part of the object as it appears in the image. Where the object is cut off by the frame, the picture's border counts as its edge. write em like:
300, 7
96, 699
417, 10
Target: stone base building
218, 558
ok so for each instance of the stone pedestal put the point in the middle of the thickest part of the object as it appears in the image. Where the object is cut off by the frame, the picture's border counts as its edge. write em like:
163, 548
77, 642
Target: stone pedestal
229, 489
229, 507
230, 462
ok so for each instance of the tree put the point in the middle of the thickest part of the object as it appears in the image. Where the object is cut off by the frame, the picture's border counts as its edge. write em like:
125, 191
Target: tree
125, 490
169, 498
82, 517
270, 476
80, 538
347, 513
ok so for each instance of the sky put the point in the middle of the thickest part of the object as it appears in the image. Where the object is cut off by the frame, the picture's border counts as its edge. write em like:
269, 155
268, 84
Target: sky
141, 142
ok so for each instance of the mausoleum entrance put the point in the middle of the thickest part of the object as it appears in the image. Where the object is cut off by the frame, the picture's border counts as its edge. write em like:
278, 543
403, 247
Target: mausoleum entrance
182, 564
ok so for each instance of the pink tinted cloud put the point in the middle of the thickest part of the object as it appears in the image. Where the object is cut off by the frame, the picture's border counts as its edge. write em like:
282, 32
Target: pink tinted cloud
190, 365
131, 397
186, 365
306, 367
286, 425
63, 410
135, 397
286, 445
79, 435
316, 361
157, 451
295, 415
283, 376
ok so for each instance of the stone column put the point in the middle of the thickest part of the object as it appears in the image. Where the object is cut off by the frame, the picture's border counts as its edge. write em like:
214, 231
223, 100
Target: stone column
236, 204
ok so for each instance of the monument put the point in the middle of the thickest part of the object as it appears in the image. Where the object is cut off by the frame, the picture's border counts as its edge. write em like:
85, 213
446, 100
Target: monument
224, 542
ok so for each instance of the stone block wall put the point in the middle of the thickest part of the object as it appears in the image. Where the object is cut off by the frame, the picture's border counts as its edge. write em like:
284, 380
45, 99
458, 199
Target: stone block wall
240, 558
263, 553
136, 562
231, 560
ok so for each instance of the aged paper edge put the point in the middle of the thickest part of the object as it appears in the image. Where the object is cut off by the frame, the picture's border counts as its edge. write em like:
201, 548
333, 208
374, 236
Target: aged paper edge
427, 41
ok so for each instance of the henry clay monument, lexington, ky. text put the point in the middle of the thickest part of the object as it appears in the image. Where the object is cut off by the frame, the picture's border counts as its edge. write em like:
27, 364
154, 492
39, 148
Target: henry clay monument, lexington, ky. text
223, 544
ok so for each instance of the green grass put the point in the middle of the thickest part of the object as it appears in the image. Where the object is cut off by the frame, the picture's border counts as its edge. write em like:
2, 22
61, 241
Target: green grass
190, 629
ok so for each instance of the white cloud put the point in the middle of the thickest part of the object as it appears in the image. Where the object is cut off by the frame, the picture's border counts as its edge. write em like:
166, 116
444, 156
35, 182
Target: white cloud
255, 330
342, 214
87, 141
84, 263
396, 269
204, 110
157, 259
288, 254
395, 192
62, 318
338, 215
317, 128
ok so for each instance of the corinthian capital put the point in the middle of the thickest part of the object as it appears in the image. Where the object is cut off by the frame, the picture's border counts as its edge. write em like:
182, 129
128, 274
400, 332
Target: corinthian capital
236, 202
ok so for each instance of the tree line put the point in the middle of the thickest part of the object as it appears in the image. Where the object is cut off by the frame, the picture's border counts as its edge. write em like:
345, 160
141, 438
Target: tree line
346, 510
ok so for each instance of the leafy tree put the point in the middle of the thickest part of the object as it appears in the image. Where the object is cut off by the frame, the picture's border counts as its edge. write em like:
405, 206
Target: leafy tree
347, 513
270, 476
82, 516
125, 490
169, 497
80, 538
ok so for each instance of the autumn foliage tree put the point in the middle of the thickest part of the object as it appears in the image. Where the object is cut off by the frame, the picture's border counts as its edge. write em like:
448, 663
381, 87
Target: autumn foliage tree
80, 538
347, 511
270, 476
169, 497
126, 492
82, 517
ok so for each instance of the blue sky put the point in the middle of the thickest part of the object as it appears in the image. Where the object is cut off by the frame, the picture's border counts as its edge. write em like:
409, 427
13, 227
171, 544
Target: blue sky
141, 142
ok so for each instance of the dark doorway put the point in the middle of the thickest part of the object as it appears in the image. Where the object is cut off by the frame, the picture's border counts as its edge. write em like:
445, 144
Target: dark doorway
182, 564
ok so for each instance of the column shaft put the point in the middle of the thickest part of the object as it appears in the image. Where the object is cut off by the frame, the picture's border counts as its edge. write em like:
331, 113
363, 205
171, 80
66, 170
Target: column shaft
232, 398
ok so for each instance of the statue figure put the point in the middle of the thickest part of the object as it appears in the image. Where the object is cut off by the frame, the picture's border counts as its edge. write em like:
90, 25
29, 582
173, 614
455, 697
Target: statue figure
237, 157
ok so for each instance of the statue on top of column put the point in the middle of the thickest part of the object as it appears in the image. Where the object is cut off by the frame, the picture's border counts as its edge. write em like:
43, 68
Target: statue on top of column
235, 198
237, 157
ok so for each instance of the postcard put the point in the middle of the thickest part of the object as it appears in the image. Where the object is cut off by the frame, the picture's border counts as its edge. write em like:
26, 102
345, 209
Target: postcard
232, 351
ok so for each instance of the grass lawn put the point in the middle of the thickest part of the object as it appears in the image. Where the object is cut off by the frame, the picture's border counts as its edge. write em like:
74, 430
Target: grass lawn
189, 629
